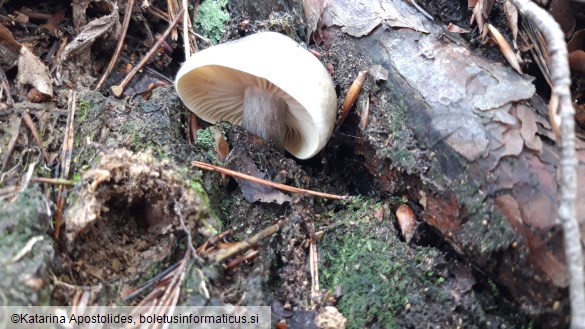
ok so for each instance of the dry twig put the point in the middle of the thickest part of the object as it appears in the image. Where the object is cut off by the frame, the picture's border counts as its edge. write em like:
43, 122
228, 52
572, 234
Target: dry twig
250, 242
53, 181
313, 262
561, 81
66, 153
117, 90
33, 130
114, 59
282, 187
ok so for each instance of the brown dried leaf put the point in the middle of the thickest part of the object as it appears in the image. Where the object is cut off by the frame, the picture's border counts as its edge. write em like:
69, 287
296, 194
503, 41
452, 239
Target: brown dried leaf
477, 15
239, 160
564, 15
505, 48
512, 18
33, 72
89, 33
222, 148
379, 214
576, 48
577, 62
577, 41
456, 29
487, 8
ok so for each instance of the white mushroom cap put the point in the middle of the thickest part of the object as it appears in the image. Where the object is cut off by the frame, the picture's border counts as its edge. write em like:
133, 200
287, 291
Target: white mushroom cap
212, 83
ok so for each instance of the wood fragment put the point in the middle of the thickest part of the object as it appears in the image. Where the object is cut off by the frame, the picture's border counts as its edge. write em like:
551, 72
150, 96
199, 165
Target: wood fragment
313, 262
53, 181
203, 165
249, 255
365, 115
203, 249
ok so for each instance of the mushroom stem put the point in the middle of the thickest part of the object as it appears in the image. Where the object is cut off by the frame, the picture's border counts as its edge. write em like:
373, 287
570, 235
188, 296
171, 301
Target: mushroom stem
265, 115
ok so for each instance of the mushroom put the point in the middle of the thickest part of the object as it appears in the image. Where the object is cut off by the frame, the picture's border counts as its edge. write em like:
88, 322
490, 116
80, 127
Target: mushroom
268, 84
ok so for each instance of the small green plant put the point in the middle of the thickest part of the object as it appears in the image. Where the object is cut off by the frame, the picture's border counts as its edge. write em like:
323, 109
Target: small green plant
83, 108
212, 17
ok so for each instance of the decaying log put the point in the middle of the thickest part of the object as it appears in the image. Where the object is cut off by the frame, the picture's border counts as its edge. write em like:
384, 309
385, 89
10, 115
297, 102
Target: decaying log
468, 138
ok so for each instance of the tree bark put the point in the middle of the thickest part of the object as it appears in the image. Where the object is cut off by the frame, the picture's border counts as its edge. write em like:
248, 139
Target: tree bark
468, 138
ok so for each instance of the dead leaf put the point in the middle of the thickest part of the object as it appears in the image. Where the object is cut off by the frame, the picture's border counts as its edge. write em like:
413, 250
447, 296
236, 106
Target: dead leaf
512, 18
89, 33
33, 72
456, 29
79, 18
505, 48
313, 10
576, 48
222, 147
564, 15
239, 160
359, 18
577, 62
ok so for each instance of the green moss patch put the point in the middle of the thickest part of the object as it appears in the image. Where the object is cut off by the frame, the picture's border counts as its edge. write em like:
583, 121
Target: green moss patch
212, 17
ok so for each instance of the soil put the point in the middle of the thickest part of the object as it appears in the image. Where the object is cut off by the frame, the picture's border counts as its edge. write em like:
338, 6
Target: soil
134, 187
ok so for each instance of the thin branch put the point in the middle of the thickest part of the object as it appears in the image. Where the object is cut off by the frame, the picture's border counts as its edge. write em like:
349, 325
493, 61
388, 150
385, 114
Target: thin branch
114, 59
282, 187
66, 153
53, 181
250, 242
560, 77
33, 130
117, 90
186, 43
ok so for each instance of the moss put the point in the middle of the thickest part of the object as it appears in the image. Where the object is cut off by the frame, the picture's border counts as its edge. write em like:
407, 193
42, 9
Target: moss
193, 183
376, 272
83, 108
206, 141
212, 17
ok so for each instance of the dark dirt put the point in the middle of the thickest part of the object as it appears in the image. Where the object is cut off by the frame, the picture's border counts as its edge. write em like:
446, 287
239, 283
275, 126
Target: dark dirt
130, 224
